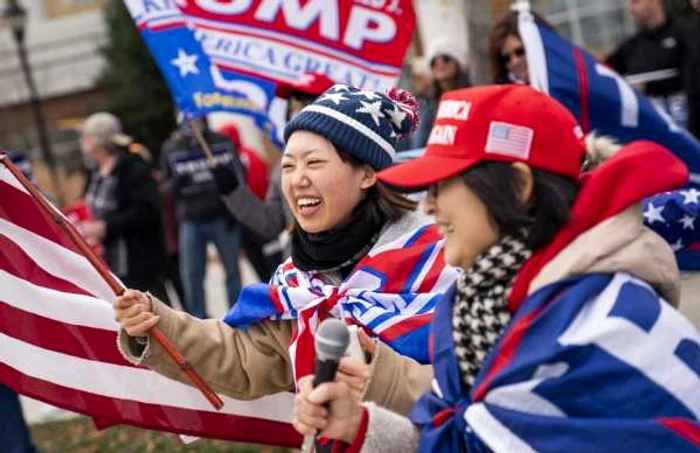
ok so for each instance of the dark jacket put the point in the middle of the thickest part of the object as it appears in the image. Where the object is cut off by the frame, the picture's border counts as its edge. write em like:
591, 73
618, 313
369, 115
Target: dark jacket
691, 71
653, 50
133, 246
187, 176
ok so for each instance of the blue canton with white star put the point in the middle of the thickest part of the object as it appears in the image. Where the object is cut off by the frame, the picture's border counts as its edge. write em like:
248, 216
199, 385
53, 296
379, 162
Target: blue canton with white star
674, 216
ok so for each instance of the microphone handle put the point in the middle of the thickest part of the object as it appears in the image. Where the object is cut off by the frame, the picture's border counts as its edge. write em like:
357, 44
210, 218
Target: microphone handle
324, 371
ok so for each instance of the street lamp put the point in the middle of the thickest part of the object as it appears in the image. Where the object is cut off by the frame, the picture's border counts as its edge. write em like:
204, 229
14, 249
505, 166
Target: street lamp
15, 16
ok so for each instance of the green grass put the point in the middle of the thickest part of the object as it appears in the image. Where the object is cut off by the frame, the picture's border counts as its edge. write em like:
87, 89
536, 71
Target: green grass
80, 436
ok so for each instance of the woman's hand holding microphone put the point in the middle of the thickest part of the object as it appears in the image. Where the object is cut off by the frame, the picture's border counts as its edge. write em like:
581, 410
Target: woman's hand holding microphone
334, 409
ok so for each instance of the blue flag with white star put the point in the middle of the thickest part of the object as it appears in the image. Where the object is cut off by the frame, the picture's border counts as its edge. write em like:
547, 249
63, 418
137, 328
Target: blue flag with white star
197, 86
674, 216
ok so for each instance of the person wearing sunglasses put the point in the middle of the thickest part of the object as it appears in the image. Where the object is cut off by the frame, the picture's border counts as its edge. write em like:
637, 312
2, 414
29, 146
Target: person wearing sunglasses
507, 51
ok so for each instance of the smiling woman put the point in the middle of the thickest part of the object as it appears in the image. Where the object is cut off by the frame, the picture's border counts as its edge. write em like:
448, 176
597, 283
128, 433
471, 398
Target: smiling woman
359, 253
321, 188
337, 202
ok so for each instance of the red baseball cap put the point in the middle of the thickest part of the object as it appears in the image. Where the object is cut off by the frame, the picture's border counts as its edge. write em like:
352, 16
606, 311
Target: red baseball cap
506, 123
311, 83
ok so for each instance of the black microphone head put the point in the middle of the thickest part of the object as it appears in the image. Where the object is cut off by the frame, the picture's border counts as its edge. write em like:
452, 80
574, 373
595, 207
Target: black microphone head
332, 339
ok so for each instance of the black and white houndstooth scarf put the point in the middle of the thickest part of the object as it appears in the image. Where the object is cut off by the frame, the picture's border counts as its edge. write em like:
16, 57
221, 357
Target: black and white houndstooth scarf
480, 311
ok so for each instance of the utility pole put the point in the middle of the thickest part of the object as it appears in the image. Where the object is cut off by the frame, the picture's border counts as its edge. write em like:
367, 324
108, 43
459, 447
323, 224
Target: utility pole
16, 16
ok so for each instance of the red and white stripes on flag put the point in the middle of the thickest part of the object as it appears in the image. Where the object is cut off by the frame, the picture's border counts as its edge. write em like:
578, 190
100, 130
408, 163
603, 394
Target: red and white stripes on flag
58, 341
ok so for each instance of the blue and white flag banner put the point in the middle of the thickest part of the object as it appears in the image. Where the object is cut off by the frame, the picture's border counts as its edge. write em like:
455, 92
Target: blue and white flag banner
196, 85
602, 100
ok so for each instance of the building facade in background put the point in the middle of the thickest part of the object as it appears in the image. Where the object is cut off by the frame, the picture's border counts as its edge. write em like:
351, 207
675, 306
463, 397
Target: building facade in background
62, 40
598, 25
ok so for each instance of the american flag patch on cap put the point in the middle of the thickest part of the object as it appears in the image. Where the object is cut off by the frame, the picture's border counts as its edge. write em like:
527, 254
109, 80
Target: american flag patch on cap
509, 139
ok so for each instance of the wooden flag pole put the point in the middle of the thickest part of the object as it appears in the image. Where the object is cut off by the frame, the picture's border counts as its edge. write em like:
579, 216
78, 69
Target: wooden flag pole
202, 142
113, 283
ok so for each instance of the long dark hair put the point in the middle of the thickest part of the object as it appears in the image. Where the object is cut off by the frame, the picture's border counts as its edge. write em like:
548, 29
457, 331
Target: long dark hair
497, 185
505, 27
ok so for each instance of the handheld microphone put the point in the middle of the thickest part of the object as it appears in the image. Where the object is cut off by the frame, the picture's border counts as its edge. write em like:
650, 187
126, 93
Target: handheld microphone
331, 341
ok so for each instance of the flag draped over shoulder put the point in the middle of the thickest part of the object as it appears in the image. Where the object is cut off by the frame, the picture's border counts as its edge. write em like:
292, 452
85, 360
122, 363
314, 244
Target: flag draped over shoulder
601, 99
391, 293
591, 363
58, 341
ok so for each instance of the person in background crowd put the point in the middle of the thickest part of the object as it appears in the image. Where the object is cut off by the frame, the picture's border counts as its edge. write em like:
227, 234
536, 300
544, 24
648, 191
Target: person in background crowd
652, 59
562, 286
449, 71
421, 78
203, 216
264, 255
171, 226
507, 52
269, 218
421, 82
348, 229
691, 68
123, 198
13, 428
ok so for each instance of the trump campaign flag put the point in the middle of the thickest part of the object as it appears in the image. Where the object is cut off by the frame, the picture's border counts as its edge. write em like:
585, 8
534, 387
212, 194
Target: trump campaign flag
188, 71
601, 99
228, 56
58, 339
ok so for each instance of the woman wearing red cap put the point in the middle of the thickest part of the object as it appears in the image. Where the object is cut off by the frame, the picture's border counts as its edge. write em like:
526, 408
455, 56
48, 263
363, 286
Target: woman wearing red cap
561, 334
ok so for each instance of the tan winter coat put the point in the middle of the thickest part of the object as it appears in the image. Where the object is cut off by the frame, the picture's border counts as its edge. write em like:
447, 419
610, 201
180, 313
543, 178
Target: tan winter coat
252, 363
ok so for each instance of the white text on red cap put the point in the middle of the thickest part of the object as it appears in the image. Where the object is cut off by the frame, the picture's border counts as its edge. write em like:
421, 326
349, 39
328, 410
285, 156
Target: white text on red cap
443, 134
454, 110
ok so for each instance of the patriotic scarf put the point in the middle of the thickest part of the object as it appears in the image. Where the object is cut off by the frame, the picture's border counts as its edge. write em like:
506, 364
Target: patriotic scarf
390, 293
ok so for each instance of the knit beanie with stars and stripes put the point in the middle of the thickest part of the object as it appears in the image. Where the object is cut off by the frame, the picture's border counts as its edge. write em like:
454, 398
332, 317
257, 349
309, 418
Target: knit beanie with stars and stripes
363, 124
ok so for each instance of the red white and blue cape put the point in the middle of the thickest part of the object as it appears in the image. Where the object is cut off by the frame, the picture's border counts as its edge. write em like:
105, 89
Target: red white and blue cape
391, 293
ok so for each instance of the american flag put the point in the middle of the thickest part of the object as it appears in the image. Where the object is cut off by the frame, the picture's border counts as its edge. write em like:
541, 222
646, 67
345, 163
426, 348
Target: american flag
674, 216
58, 340
509, 139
